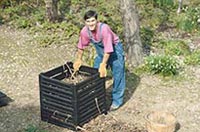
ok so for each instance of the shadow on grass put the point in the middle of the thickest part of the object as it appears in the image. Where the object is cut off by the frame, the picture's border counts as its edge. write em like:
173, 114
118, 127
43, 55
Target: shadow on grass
132, 82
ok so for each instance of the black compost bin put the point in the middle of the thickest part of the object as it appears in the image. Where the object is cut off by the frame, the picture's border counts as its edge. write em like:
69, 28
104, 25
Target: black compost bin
68, 104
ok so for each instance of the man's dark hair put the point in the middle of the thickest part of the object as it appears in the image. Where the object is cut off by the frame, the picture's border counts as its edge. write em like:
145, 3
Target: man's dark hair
90, 14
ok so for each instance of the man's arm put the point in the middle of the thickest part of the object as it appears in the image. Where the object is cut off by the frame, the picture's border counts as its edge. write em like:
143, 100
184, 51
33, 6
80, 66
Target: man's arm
79, 54
105, 58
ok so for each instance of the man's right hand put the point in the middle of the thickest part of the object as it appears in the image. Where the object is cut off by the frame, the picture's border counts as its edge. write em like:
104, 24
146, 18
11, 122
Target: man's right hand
77, 65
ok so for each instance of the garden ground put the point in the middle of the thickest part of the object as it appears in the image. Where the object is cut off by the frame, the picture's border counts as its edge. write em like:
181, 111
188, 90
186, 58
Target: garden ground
21, 61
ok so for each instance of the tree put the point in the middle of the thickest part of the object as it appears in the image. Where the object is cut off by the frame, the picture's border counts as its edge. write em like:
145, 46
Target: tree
133, 45
52, 10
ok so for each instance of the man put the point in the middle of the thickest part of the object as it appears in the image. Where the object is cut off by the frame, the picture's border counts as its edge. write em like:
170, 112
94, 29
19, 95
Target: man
109, 53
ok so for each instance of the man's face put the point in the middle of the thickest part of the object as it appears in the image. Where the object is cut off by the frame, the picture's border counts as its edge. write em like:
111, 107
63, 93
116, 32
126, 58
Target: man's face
91, 23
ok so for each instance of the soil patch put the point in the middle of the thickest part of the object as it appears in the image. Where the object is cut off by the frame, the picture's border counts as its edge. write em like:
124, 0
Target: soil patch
22, 60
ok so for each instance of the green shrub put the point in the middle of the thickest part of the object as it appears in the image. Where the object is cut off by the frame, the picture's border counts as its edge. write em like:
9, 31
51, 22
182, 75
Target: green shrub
163, 3
175, 47
21, 10
32, 128
153, 17
23, 16
5, 3
193, 59
23, 22
164, 65
187, 20
38, 15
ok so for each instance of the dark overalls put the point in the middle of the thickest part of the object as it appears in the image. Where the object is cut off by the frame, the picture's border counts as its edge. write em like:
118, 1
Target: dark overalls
117, 64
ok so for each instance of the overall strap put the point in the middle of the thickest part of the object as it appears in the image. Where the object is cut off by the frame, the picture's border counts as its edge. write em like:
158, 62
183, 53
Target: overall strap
100, 33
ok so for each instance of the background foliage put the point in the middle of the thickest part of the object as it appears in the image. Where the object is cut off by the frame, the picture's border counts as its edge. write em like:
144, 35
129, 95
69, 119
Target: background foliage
156, 17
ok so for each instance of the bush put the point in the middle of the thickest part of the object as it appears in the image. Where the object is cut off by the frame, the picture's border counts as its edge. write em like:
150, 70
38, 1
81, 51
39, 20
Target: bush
187, 20
163, 3
23, 22
175, 47
164, 65
32, 128
193, 59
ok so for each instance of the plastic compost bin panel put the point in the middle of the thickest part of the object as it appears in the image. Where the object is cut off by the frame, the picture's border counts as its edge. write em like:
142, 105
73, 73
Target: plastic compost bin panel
71, 105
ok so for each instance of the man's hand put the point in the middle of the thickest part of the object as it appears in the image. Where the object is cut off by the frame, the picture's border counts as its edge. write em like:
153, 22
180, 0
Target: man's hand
102, 70
77, 65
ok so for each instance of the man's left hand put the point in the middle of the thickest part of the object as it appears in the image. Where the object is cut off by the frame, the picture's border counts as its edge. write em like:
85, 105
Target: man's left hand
102, 70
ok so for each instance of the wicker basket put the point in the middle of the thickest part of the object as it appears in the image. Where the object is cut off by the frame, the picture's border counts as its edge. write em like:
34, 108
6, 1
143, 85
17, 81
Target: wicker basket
159, 121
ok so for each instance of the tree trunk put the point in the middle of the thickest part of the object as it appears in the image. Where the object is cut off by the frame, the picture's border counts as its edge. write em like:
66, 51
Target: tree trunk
133, 45
52, 10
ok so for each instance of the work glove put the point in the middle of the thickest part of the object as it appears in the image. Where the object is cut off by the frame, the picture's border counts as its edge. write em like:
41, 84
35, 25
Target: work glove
77, 65
102, 70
